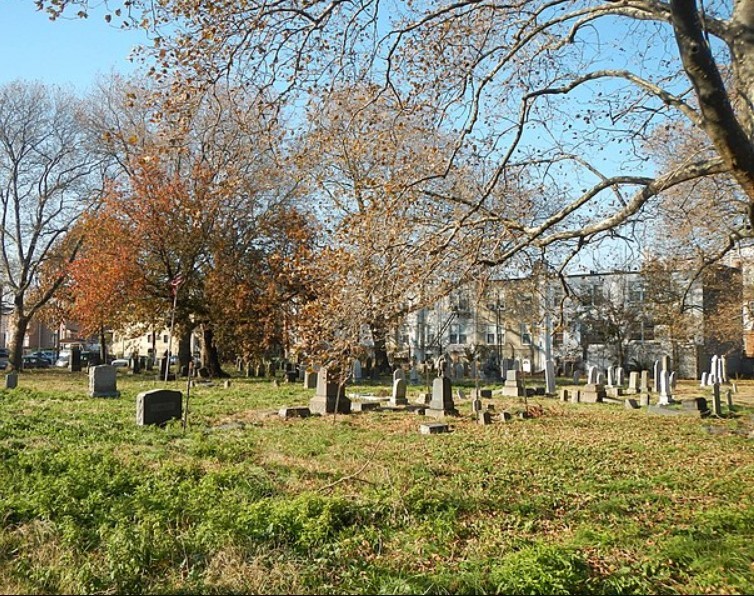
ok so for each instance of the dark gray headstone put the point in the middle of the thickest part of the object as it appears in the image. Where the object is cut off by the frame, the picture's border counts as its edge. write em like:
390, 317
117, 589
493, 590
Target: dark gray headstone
398, 397
11, 380
74, 360
158, 406
441, 404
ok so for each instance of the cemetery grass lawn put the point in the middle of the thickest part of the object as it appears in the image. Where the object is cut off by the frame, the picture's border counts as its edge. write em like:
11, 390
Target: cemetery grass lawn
579, 499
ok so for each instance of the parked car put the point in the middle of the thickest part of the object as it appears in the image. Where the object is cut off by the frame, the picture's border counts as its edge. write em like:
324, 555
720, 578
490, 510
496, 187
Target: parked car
119, 363
62, 360
45, 356
34, 362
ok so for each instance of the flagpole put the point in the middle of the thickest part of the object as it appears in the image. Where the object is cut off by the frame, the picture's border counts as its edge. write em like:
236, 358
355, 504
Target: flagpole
170, 335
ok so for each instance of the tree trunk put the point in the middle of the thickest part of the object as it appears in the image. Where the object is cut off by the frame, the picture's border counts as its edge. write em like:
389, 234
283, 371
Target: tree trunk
381, 363
184, 347
210, 356
17, 333
102, 346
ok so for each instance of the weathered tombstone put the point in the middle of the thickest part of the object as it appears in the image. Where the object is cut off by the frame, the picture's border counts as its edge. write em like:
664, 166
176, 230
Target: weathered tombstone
294, 412
644, 400
550, 377
226, 384
103, 381
714, 370
441, 404
576, 377
611, 376
413, 375
644, 382
356, 371
310, 380
704, 380
717, 409
696, 404
74, 360
600, 379
576, 396
723, 369
591, 377
665, 363
484, 417
631, 404
134, 364
564, 395
330, 396
434, 428
399, 374
633, 382
729, 396
593, 393
666, 391
476, 405
671, 380
398, 397
364, 406
11, 380
656, 378
514, 384
291, 376
620, 376
158, 406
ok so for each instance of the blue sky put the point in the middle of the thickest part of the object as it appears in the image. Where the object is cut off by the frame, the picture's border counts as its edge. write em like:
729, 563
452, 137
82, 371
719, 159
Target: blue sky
65, 52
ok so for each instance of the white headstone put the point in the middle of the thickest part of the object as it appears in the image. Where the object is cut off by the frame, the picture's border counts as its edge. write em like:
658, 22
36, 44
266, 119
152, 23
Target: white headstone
656, 379
666, 392
611, 376
591, 378
620, 376
704, 379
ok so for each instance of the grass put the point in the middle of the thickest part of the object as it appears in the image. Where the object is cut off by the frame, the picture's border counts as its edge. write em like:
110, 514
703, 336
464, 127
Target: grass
580, 499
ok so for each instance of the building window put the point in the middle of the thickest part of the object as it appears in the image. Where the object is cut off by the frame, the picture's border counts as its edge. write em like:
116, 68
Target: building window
457, 334
557, 338
491, 335
164, 339
525, 334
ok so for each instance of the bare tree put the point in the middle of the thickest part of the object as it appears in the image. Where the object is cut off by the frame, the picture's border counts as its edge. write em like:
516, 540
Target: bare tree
45, 184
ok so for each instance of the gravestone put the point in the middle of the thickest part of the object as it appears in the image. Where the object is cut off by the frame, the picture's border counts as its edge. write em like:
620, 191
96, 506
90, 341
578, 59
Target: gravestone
666, 391
310, 380
441, 404
644, 383
656, 378
550, 377
460, 370
633, 382
592, 393
576, 396
434, 428
671, 380
514, 384
356, 371
11, 380
414, 376
484, 417
611, 376
564, 395
399, 374
620, 376
291, 376
158, 406
696, 404
713, 371
600, 379
294, 412
717, 409
704, 380
665, 363
398, 397
576, 377
631, 404
74, 360
591, 377
729, 396
134, 364
226, 384
723, 369
644, 400
103, 381
330, 396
